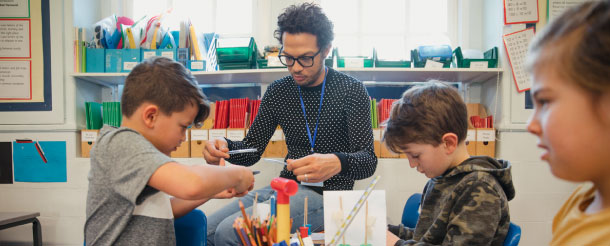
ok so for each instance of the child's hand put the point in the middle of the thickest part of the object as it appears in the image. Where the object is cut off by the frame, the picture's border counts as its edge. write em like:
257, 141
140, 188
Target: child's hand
215, 150
229, 193
246, 181
391, 239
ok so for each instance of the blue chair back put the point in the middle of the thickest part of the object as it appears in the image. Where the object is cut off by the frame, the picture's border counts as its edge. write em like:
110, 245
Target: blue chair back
410, 213
513, 236
191, 229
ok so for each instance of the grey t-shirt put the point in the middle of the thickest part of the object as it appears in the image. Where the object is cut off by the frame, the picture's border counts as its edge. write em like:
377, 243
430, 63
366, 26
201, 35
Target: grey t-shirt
121, 208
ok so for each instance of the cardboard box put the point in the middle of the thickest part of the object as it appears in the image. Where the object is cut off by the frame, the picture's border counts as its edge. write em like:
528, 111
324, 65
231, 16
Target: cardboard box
199, 138
471, 138
387, 153
88, 138
184, 150
277, 145
486, 142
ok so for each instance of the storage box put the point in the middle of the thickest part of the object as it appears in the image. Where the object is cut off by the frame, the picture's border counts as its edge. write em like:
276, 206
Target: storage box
236, 134
184, 150
199, 138
486, 142
217, 133
471, 137
385, 152
354, 61
88, 138
113, 61
277, 145
196, 65
389, 63
489, 60
131, 58
439, 55
235, 50
95, 60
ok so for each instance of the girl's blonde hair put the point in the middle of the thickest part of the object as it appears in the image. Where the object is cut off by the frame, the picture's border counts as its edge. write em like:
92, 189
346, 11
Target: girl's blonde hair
576, 45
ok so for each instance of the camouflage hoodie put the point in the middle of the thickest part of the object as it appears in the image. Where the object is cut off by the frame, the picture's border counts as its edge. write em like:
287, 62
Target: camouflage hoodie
468, 205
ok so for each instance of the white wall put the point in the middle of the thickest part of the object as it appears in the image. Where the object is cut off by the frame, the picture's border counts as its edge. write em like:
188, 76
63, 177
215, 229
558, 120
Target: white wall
62, 205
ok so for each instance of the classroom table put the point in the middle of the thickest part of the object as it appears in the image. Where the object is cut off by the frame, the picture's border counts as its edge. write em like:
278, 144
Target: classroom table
8, 220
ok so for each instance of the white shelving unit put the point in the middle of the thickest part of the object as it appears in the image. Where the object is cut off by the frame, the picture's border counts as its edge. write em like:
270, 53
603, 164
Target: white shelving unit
265, 76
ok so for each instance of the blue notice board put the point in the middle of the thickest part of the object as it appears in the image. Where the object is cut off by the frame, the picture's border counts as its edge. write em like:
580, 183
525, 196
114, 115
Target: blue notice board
29, 165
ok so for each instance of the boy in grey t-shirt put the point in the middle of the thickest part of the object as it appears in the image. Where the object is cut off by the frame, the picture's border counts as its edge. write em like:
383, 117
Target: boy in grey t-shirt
132, 176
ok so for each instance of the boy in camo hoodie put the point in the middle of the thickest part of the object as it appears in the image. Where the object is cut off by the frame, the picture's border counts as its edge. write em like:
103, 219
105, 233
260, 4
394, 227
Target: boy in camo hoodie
466, 200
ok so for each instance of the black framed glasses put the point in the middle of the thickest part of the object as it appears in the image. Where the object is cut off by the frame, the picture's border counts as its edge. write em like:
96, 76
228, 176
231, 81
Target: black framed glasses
304, 61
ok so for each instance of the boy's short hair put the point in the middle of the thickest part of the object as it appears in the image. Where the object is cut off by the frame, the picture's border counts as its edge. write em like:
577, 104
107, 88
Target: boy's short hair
424, 114
165, 83
305, 18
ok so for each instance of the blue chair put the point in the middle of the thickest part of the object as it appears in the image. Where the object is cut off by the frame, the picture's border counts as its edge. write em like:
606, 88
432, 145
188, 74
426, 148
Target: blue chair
191, 229
410, 214
513, 236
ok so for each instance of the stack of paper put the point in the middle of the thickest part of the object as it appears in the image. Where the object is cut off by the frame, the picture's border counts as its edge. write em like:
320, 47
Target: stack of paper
111, 113
238, 112
93, 113
385, 106
254, 110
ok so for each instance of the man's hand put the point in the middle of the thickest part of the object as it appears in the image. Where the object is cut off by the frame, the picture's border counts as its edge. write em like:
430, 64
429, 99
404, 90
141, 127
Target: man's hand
215, 151
315, 168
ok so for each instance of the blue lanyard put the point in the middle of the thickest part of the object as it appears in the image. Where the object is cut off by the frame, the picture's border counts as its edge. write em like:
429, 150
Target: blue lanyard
312, 141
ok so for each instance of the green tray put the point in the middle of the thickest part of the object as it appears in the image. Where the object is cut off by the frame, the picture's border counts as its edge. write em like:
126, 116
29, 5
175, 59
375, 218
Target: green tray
235, 65
490, 56
236, 54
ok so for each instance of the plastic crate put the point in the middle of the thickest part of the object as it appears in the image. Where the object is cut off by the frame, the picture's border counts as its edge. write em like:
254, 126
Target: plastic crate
227, 52
389, 63
490, 57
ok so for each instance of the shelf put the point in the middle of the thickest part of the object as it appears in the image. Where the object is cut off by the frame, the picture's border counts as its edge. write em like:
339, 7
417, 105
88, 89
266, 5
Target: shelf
466, 75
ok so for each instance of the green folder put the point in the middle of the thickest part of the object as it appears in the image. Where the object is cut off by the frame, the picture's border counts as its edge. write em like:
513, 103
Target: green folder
93, 111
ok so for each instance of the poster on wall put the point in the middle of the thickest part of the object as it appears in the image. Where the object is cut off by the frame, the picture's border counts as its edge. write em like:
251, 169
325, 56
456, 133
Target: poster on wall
25, 55
520, 11
516, 45
556, 7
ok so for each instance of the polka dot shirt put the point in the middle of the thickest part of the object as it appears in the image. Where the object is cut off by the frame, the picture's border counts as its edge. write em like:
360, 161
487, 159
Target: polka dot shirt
344, 128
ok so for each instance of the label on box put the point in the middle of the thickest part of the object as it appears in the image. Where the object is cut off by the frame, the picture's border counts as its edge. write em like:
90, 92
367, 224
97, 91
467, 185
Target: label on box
128, 66
471, 135
148, 54
433, 64
278, 135
377, 134
88, 136
354, 62
235, 134
274, 61
199, 135
479, 64
168, 54
196, 65
217, 133
486, 135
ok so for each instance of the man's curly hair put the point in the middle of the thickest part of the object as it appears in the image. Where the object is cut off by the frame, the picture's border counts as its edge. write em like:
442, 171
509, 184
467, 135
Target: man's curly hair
305, 18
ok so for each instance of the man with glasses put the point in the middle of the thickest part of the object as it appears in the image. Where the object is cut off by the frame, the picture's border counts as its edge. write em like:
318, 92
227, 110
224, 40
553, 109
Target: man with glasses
325, 116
